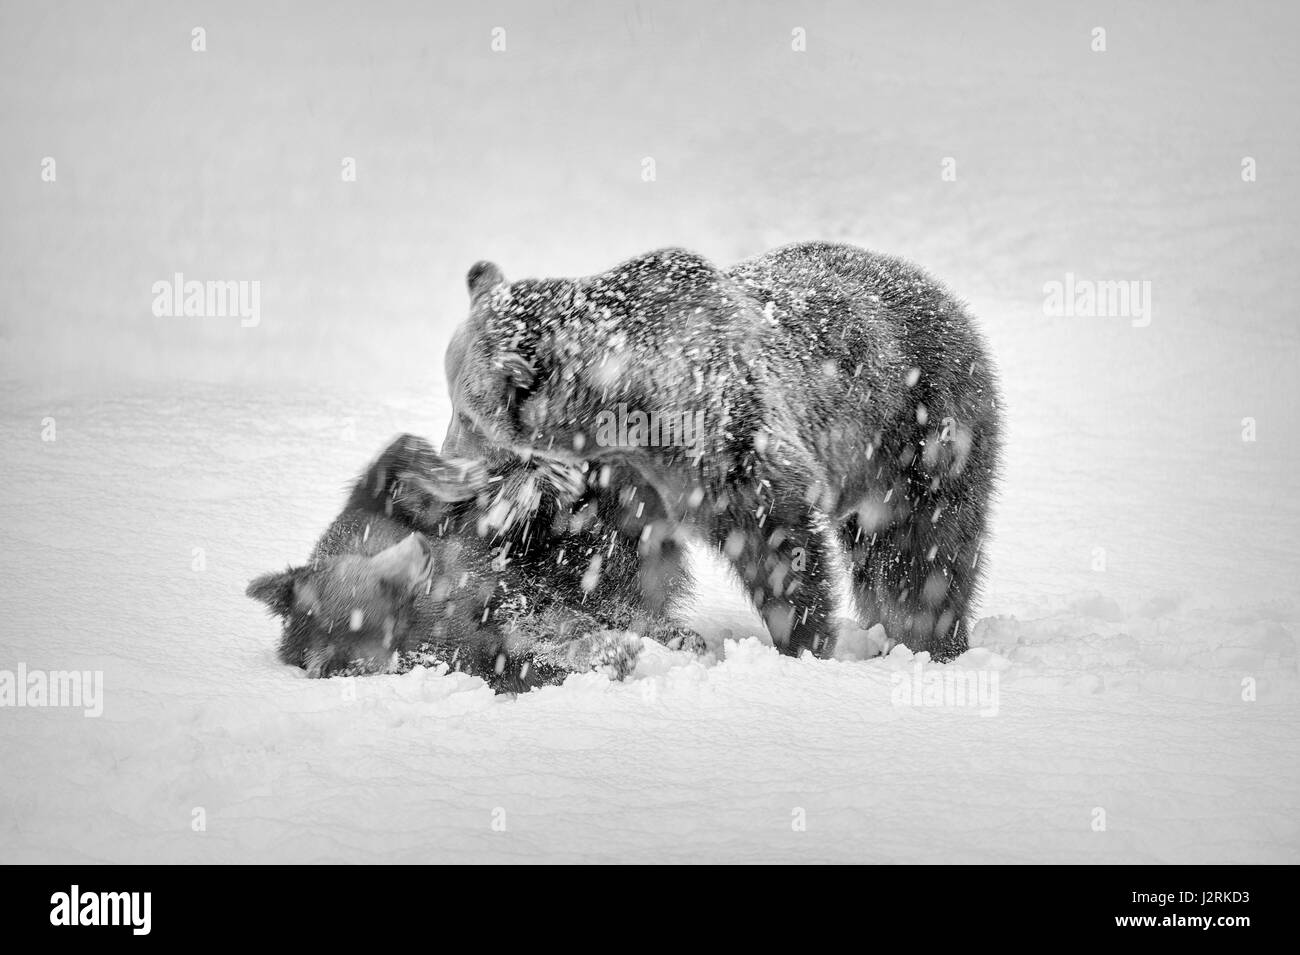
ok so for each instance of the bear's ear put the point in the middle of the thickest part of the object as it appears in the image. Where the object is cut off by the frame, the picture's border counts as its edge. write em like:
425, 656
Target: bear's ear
406, 453
275, 590
483, 278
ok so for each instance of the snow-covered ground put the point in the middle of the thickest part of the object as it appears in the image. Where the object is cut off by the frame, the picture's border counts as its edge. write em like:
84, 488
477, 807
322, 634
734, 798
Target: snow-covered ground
1136, 653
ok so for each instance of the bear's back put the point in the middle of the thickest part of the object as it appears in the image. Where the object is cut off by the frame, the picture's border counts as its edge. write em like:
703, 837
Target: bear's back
881, 321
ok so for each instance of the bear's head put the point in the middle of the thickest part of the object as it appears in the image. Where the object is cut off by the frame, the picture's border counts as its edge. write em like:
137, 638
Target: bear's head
350, 613
384, 571
413, 556
631, 361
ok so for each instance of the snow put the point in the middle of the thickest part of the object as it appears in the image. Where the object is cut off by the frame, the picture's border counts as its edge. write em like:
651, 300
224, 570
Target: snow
1136, 643
1137, 712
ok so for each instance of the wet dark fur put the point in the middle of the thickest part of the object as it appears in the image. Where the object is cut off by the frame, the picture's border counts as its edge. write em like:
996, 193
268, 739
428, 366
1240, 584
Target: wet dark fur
486, 565
850, 407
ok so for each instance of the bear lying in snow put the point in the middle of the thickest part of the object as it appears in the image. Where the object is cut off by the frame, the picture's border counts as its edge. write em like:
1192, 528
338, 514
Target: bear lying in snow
499, 568
849, 408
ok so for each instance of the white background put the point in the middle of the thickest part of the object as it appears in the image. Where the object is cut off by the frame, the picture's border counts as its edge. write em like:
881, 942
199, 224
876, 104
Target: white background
1119, 689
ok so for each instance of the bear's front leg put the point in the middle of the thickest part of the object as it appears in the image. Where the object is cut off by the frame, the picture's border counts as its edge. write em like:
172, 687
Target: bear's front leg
663, 582
778, 545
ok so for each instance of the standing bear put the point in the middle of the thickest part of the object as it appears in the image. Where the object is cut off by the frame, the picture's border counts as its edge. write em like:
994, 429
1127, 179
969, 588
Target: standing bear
817, 404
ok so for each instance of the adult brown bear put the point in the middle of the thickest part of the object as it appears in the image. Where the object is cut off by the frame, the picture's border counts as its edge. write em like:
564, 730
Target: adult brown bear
819, 399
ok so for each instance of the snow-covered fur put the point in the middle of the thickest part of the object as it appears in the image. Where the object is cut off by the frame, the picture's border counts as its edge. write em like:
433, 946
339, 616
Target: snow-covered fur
816, 399
436, 558
615, 534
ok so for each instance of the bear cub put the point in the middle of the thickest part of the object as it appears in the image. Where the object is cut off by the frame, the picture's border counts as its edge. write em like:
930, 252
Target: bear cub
440, 559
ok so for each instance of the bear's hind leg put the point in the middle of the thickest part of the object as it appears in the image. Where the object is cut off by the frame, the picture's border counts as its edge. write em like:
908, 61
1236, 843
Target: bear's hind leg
919, 575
